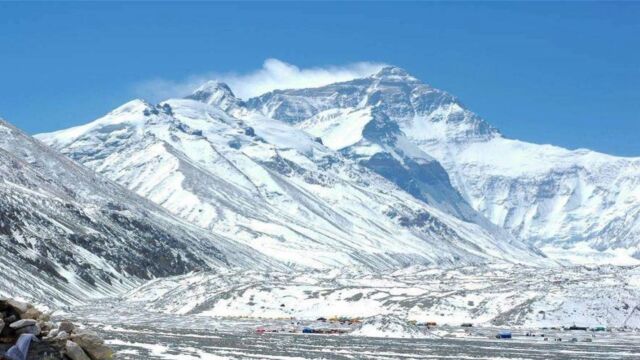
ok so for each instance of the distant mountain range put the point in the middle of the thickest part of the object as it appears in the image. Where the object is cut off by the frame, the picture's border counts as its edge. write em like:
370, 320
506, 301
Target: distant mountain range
378, 171
580, 205
276, 189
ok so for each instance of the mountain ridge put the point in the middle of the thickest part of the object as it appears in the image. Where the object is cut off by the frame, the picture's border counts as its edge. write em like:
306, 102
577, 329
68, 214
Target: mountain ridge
67, 234
504, 179
294, 196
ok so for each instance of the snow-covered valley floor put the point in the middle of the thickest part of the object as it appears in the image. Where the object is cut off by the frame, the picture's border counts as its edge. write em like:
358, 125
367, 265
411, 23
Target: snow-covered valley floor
175, 338
249, 346
215, 316
495, 295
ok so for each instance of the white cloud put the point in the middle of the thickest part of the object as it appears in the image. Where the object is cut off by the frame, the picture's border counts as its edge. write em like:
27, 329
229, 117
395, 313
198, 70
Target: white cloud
274, 74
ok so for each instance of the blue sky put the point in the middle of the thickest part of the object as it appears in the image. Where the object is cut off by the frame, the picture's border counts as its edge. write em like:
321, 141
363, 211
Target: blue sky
560, 73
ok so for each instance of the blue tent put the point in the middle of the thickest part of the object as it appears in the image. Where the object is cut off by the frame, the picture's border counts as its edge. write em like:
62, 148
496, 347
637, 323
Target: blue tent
307, 330
504, 334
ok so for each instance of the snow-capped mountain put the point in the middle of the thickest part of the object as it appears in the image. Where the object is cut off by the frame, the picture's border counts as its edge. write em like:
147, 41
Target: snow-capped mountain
67, 234
275, 188
578, 205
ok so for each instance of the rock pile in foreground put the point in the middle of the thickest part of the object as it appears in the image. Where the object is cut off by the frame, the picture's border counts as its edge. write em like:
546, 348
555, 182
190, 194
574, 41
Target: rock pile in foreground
61, 340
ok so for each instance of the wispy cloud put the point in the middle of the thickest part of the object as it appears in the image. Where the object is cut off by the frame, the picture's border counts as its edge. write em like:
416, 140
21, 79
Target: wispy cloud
274, 74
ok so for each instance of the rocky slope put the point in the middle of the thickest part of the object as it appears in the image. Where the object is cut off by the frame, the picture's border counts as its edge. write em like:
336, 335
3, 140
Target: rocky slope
578, 205
67, 234
275, 188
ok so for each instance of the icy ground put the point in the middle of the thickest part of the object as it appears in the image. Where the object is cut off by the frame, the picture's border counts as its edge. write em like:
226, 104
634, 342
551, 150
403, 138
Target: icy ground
136, 334
290, 346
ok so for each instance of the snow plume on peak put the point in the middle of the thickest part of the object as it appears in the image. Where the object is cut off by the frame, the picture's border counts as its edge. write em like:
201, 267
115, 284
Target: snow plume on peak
274, 74
394, 72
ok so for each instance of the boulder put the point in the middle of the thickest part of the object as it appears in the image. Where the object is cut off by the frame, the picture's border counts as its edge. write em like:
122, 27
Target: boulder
92, 344
18, 306
66, 326
18, 319
62, 336
32, 329
31, 313
52, 334
44, 317
43, 326
75, 352
22, 323
58, 339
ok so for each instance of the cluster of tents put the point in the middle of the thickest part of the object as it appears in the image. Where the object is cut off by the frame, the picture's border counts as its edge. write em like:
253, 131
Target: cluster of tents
319, 328
506, 334
341, 319
306, 330
309, 330
429, 324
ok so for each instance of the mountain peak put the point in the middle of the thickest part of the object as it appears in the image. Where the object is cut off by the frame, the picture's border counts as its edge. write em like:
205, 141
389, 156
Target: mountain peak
215, 93
393, 72
135, 105
213, 86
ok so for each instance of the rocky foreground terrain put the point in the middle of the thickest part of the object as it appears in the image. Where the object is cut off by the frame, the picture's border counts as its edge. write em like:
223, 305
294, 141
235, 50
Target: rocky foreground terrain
22, 322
